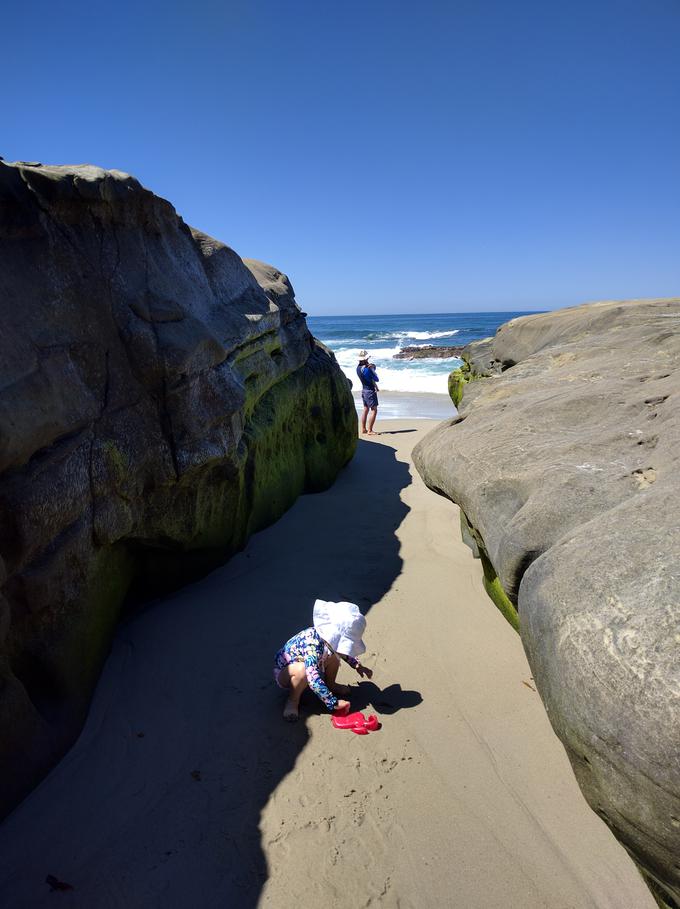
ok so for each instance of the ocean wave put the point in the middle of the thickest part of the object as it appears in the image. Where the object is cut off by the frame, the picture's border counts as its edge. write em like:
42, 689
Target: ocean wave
340, 342
403, 335
349, 356
407, 380
430, 335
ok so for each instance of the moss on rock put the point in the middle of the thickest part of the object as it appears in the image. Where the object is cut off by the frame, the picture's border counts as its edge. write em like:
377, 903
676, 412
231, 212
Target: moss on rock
458, 379
494, 588
295, 440
492, 585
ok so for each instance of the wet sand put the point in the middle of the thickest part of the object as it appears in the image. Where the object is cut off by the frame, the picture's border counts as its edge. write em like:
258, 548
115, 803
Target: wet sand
399, 405
186, 788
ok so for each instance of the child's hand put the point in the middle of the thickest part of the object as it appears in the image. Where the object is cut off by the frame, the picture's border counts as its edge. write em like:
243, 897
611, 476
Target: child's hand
365, 671
341, 707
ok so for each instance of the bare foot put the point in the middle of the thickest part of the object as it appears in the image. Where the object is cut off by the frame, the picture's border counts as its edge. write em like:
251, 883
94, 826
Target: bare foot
371, 433
364, 432
340, 689
290, 711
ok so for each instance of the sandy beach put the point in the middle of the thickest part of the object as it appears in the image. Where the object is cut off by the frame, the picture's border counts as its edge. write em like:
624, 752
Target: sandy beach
186, 788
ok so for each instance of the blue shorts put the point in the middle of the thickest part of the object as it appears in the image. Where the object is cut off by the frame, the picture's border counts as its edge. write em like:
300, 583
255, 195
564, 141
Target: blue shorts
370, 398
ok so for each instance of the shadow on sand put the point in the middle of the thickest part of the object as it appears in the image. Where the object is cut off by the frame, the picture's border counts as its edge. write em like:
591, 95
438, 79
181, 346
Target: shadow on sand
159, 801
365, 695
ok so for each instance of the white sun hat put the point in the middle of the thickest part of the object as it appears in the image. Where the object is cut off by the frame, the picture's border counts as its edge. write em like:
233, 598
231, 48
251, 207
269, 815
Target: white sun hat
341, 626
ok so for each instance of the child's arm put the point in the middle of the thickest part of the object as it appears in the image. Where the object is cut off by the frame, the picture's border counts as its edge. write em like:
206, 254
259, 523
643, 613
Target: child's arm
356, 665
317, 682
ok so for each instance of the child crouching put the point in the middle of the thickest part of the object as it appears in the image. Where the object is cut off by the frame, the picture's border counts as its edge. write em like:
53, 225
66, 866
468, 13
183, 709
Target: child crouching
311, 658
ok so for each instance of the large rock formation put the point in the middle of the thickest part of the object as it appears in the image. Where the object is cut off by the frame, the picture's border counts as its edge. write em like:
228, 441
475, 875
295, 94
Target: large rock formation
565, 463
160, 400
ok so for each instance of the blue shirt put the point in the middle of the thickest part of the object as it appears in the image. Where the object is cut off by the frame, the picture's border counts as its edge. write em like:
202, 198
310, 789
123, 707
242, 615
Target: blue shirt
367, 376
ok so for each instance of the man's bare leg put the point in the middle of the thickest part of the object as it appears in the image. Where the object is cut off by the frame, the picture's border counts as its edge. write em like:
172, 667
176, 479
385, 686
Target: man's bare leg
294, 677
363, 419
371, 421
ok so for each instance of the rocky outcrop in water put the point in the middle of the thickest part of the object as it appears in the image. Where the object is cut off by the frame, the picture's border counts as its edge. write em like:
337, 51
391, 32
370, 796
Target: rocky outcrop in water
160, 400
427, 352
565, 462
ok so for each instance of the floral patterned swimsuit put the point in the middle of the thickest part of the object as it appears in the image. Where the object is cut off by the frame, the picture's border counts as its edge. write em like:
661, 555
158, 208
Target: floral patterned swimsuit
308, 648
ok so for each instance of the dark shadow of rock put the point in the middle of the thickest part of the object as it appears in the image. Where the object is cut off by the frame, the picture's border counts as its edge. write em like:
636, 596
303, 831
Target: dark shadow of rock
159, 801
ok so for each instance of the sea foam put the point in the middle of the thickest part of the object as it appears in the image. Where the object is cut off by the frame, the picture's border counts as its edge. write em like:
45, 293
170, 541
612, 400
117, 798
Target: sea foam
405, 335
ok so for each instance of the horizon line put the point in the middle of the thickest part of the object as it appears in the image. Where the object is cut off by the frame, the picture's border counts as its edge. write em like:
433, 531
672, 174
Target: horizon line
459, 312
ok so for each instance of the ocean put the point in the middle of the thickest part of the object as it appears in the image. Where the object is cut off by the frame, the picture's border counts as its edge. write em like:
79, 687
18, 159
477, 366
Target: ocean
407, 387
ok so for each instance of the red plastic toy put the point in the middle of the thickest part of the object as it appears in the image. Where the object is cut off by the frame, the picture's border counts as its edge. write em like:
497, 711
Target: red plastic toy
357, 722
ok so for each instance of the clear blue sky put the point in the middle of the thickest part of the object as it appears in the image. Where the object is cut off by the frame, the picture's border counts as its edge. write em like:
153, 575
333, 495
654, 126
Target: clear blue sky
390, 157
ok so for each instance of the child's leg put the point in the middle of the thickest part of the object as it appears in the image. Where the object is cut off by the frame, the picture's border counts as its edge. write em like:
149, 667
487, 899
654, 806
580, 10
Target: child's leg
293, 676
330, 673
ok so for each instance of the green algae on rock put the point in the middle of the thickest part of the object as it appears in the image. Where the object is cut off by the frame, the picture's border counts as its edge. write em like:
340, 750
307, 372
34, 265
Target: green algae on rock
161, 399
478, 363
457, 381
490, 579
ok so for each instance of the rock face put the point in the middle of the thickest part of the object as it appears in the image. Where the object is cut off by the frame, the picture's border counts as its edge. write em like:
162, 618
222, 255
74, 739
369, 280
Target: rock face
565, 463
160, 400
427, 352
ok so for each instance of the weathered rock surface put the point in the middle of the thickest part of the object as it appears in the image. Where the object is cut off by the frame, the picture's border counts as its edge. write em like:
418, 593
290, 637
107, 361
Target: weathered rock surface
160, 400
566, 464
427, 352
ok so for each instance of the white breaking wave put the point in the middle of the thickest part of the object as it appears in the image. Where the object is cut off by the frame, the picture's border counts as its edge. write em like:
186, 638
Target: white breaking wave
429, 335
417, 376
418, 335
405, 380
349, 356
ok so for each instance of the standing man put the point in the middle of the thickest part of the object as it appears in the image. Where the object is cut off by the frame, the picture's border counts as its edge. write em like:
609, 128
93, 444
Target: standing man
369, 392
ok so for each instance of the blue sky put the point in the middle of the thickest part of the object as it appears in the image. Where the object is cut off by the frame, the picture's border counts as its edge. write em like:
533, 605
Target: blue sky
390, 157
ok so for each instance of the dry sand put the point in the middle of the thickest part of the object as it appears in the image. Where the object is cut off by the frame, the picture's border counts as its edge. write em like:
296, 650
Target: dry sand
187, 789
